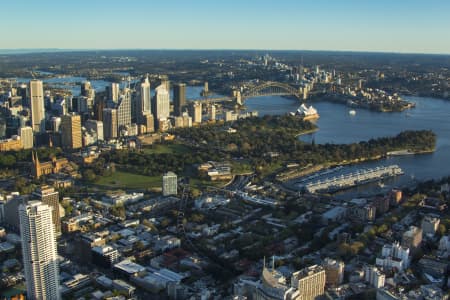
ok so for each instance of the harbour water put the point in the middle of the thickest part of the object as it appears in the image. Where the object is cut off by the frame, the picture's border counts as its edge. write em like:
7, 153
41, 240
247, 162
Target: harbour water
71, 83
336, 125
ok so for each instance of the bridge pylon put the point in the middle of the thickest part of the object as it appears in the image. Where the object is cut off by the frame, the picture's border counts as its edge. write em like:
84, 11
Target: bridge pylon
238, 98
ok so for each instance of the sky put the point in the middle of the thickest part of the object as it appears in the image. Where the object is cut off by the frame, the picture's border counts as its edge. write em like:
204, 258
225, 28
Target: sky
356, 25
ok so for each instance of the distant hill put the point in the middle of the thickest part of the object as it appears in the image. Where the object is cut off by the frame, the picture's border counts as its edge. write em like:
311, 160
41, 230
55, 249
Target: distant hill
28, 51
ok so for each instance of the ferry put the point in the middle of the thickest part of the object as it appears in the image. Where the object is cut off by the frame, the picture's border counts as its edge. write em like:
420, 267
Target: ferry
307, 113
352, 112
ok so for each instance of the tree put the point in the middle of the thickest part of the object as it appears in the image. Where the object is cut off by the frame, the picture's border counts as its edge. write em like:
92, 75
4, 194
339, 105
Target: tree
67, 206
197, 218
7, 161
356, 247
194, 193
89, 175
23, 186
118, 210
165, 222
344, 250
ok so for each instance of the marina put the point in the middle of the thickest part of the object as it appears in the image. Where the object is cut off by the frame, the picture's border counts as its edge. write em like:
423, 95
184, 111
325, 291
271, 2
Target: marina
352, 179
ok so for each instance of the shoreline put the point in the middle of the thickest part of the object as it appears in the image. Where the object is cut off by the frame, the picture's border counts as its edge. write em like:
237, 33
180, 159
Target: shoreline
343, 99
318, 168
404, 152
307, 132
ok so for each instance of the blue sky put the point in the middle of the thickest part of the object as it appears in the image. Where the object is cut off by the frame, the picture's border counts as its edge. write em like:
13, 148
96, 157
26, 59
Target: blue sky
360, 25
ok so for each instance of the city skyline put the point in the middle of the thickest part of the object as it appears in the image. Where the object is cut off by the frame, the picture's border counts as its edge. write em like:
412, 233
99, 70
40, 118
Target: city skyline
381, 26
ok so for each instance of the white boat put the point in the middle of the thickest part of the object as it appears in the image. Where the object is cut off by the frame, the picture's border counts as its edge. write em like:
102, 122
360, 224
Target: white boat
352, 112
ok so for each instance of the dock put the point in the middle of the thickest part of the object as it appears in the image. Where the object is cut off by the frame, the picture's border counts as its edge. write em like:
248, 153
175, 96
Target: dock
348, 180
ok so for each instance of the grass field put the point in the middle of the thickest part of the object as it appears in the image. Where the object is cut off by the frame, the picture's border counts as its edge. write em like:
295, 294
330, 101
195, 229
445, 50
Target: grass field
165, 148
126, 180
241, 167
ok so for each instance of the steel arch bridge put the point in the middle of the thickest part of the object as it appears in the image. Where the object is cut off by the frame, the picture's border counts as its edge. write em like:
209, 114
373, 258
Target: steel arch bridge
271, 88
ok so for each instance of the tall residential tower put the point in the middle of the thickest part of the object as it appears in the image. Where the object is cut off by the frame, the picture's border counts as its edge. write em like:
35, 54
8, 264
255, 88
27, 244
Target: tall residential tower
39, 252
144, 98
36, 90
49, 196
179, 98
71, 131
161, 103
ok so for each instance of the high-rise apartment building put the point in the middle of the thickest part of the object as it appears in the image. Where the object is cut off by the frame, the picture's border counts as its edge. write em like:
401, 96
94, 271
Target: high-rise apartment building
273, 286
161, 103
113, 92
85, 87
430, 224
26, 137
169, 184
149, 122
310, 282
87, 90
55, 124
124, 110
95, 126
49, 196
36, 89
412, 238
39, 251
196, 112
394, 256
110, 123
145, 105
165, 81
179, 98
212, 112
334, 271
374, 276
187, 120
71, 131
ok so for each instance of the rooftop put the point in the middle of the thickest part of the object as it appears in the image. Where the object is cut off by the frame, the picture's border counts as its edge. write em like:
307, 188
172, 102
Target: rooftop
129, 267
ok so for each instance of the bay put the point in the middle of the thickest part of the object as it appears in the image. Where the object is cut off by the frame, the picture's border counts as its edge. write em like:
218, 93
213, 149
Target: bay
336, 125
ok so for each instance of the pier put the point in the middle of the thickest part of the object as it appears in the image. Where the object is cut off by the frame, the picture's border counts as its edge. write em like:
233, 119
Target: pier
353, 179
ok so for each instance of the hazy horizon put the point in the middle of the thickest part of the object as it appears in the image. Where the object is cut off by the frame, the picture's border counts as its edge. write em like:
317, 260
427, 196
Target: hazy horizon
44, 50
417, 26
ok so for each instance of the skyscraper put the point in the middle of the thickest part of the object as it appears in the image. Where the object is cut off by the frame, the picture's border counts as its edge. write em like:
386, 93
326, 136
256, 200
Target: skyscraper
124, 110
179, 98
113, 92
334, 272
169, 184
95, 126
88, 91
109, 123
71, 131
145, 98
148, 122
49, 196
39, 251
26, 136
37, 105
85, 87
196, 112
161, 103
310, 282
55, 124
212, 112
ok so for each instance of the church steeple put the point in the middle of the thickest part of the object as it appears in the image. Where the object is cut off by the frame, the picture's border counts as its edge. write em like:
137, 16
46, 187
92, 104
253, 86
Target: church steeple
36, 164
